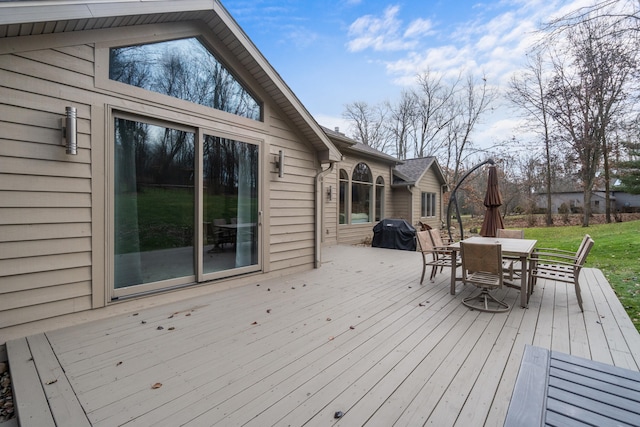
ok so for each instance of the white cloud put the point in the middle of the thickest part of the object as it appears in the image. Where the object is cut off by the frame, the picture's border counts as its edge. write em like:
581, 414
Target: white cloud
496, 46
418, 28
382, 33
301, 37
494, 42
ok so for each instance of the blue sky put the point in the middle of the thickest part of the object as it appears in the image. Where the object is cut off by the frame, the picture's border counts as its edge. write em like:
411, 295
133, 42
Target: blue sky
335, 52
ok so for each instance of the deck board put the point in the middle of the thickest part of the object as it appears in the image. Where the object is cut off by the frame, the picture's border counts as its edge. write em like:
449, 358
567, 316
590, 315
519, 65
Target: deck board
62, 400
30, 401
359, 335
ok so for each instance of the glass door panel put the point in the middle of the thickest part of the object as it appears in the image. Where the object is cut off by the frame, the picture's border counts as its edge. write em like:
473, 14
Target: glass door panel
154, 204
230, 204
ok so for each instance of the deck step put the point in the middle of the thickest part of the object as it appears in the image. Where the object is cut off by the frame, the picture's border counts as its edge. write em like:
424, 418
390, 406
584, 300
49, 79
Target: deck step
42, 394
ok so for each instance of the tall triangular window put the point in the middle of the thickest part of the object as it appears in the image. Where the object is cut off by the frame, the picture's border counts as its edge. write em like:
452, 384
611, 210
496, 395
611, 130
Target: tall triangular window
183, 69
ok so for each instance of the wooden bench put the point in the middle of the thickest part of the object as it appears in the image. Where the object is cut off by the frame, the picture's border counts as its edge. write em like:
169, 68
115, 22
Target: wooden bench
554, 388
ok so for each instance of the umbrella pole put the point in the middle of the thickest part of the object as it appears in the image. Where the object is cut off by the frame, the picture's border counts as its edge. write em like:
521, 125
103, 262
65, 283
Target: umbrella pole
453, 199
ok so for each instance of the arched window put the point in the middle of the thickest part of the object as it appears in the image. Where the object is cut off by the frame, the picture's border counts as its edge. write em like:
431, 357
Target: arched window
344, 185
379, 198
361, 194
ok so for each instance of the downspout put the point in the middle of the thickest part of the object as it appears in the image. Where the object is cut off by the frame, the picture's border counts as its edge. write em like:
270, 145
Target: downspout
319, 213
443, 188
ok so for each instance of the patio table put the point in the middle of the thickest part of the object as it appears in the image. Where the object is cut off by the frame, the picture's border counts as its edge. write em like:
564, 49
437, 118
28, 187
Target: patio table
554, 388
511, 248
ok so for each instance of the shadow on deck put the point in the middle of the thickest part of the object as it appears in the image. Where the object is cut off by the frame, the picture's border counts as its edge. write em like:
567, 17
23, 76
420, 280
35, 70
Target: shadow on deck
358, 336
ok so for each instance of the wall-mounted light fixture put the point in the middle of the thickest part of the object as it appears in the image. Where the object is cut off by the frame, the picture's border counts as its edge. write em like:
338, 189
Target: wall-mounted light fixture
70, 130
280, 163
329, 193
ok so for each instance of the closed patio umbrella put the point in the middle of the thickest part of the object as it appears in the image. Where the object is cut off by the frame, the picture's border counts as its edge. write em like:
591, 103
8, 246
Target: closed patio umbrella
493, 201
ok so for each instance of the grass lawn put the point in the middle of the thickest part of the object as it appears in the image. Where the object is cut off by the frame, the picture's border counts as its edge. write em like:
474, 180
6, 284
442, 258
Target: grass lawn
616, 252
161, 218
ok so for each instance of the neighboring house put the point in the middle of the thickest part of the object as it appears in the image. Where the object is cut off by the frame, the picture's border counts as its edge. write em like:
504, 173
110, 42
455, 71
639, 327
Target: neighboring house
368, 186
626, 202
176, 181
574, 200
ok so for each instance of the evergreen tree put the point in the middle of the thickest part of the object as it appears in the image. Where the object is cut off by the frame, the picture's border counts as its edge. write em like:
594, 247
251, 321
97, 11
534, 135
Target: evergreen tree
629, 171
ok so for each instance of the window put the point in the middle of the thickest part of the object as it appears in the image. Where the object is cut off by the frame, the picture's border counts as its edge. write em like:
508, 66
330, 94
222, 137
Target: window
163, 236
230, 203
183, 69
379, 198
428, 205
154, 203
361, 194
344, 185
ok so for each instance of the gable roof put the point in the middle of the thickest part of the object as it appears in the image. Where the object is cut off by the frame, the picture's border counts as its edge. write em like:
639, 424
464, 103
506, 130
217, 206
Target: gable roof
412, 170
344, 143
24, 18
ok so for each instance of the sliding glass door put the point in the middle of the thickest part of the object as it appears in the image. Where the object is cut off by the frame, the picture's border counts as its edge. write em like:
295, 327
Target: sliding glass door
185, 206
230, 204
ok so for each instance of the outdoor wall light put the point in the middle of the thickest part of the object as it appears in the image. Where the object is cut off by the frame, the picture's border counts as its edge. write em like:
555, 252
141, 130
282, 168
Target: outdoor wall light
70, 130
280, 163
329, 192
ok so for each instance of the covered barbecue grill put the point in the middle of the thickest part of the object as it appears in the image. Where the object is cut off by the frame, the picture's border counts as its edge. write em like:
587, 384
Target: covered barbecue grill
394, 234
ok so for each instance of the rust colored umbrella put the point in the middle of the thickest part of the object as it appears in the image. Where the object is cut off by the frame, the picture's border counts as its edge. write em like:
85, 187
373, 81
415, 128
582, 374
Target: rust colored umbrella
493, 201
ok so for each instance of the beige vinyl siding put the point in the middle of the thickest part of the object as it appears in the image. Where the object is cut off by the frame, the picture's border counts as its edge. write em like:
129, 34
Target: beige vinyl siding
291, 212
53, 207
428, 183
402, 204
45, 195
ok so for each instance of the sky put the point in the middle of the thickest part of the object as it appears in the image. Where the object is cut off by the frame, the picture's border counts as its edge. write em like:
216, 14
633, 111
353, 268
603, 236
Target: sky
335, 52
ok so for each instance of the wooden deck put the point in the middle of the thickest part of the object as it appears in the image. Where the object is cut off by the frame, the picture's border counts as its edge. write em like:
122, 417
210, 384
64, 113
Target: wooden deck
359, 335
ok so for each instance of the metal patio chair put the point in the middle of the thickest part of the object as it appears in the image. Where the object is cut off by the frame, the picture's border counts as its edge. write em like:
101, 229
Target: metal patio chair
510, 265
560, 265
432, 256
482, 267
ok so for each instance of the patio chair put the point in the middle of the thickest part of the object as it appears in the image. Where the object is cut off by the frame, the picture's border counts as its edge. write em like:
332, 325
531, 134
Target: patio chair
444, 253
509, 233
432, 256
482, 267
436, 238
221, 235
510, 265
560, 265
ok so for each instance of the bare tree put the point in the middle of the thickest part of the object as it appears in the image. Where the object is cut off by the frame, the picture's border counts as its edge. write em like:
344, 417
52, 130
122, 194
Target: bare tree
571, 99
368, 123
528, 91
471, 102
434, 112
623, 15
437, 119
399, 125
589, 97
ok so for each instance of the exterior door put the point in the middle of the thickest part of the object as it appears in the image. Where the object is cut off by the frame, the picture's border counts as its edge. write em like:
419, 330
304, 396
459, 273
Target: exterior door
185, 205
